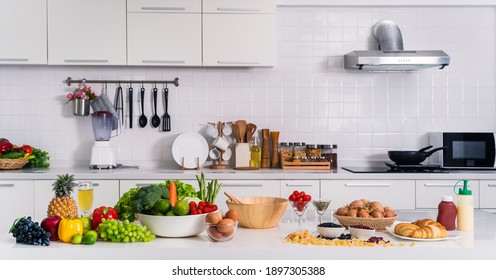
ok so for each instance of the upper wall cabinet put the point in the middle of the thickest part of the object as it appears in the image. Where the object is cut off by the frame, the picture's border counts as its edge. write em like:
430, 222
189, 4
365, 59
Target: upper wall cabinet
239, 33
87, 32
23, 30
164, 32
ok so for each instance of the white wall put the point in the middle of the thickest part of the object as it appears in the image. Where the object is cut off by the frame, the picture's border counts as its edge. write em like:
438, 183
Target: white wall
307, 96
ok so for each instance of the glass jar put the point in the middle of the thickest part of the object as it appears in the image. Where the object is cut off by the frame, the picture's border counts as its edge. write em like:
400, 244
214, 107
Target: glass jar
299, 151
326, 151
286, 151
313, 152
334, 157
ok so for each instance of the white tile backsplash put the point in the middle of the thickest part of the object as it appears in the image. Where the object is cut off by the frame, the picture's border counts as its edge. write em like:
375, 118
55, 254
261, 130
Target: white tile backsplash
308, 96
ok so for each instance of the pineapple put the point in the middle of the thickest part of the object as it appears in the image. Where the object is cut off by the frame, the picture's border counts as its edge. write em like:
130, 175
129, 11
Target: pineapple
63, 205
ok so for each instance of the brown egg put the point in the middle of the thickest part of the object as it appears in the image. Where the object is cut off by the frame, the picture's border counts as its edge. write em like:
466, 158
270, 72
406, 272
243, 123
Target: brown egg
214, 233
213, 218
377, 214
357, 204
225, 225
374, 205
352, 213
232, 214
229, 233
389, 213
363, 214
342, 211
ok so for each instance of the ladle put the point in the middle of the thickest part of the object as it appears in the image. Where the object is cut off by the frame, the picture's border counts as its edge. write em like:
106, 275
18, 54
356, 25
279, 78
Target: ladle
155, 119
142, 121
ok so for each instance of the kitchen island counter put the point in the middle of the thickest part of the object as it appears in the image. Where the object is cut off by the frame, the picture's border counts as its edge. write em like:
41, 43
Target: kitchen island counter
269, 244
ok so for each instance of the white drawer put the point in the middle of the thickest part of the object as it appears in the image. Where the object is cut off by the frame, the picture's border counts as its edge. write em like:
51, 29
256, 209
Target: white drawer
164, 6
487, 194
398, 194
430, 192
239, 6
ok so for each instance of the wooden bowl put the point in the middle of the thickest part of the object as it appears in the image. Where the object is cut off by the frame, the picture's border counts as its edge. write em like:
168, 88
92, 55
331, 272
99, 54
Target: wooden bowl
259, 211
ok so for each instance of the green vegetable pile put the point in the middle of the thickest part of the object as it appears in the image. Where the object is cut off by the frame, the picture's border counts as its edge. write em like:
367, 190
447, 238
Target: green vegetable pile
124, 207
208, 192
146, 197
41, 159
183, 190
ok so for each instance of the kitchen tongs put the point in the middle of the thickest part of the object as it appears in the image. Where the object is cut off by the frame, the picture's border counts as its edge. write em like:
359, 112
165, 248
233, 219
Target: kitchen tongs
119, 104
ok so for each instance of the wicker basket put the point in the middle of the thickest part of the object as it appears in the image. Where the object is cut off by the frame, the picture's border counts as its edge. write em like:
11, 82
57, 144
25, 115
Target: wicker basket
6, 163
375, 223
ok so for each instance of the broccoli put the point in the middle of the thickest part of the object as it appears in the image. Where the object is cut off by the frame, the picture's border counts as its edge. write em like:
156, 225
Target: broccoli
145, 199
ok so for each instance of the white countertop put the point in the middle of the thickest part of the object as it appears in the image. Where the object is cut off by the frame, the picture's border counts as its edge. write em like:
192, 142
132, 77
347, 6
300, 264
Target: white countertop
231, 174
269, 243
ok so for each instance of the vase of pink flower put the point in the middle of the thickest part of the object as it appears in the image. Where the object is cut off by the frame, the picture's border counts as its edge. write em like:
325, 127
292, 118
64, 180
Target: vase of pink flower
81, 98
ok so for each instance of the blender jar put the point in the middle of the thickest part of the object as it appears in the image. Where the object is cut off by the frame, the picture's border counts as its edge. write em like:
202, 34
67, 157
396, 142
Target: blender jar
102, 122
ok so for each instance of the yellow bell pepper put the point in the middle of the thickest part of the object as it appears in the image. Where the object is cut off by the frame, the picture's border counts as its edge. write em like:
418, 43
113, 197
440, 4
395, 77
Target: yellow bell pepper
68, 228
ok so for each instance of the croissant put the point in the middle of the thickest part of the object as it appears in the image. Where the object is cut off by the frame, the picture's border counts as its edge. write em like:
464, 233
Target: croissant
422, 229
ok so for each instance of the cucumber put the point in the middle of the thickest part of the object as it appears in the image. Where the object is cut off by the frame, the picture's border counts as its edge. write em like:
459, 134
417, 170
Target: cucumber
12, 155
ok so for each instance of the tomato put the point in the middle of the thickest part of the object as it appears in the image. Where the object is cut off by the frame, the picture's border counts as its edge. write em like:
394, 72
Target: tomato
292, 197
300, 195
307, 198
299, 199
296, 193
27, 149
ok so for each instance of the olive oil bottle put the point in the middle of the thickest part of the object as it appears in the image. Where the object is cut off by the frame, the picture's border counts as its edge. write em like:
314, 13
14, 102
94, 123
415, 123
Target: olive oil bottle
255, 152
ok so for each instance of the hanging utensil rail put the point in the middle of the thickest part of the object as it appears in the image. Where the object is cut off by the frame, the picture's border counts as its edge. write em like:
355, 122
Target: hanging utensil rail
70, 81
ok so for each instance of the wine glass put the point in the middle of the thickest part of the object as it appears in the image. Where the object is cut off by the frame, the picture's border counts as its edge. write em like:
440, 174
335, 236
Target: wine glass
85, 197
299, 208
321, 206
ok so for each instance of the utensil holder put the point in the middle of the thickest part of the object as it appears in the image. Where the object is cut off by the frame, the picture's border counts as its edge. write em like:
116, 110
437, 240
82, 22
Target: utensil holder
81, 107
242, 154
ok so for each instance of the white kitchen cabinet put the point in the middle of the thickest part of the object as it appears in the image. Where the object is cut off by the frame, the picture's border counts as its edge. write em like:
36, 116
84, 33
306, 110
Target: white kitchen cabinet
16, 200
86, 32
239, 33
241, 188
429, 192
105, 193
487, 194
23, 29
160, 6
398, 194
166, 39
126, 185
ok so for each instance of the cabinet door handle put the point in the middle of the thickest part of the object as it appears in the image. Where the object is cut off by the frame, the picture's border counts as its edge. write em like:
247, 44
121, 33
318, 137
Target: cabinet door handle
367, 185
491, 185
243, 185
163, 8
438, 185
86, 60
6, 185
238, 10
162, 61
237, 62
13, 59
296, 185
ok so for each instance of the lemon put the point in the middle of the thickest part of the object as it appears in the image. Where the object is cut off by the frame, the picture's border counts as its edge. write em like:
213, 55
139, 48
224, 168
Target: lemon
170, 213
77, 239
86, 224
163, 206
90, 237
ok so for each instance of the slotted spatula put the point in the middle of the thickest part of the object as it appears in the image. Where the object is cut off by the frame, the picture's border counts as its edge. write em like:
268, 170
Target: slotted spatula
166, 122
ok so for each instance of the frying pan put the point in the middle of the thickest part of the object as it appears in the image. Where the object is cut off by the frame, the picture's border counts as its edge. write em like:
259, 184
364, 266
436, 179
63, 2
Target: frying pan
412, 157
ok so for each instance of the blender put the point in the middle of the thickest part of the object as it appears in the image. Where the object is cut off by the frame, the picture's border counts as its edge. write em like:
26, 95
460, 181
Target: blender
102, 155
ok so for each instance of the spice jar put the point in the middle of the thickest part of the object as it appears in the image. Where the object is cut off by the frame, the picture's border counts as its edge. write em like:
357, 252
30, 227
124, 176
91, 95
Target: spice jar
326, 151
299, 151
286, 151
312, 152
334, 157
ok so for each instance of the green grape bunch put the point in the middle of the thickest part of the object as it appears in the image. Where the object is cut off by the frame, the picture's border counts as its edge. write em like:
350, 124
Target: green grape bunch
117, 231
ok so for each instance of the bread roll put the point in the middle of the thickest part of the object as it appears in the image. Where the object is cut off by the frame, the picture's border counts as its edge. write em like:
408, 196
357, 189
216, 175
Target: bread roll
422, 229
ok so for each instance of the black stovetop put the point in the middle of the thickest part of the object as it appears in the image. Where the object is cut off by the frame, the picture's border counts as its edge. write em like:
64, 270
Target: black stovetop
391, 167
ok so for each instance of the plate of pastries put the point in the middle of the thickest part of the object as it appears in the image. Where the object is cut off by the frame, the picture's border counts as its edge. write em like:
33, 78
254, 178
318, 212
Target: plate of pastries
421, 230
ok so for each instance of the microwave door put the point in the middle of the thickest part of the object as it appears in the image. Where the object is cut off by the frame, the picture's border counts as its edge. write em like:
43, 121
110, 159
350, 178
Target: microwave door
469, 150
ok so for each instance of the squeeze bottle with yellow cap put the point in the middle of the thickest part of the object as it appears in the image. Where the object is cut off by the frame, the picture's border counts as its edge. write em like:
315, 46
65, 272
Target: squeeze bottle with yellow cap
465, 208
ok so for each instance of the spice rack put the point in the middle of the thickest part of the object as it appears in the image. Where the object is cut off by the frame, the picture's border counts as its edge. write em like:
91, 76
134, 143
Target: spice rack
307, 165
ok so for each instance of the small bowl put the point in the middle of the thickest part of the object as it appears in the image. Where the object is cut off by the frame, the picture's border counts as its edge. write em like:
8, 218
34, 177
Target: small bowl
220, 233
330, 232
361, 233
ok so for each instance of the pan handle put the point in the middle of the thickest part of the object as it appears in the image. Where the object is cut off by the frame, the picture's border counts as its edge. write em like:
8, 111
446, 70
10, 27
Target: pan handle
429, 153
425, 149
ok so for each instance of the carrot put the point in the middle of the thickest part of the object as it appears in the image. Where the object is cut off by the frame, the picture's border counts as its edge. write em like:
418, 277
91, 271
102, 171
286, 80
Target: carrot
172, 193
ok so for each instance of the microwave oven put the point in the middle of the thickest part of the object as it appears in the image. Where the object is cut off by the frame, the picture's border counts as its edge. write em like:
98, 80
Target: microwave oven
464, 150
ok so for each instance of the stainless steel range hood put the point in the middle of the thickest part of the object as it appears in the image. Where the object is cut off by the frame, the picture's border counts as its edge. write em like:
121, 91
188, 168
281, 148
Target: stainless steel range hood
391, 56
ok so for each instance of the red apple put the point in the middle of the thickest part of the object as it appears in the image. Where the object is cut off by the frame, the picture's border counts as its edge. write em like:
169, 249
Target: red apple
51, 225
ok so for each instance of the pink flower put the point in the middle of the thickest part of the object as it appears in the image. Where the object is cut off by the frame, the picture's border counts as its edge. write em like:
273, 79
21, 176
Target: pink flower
70, 96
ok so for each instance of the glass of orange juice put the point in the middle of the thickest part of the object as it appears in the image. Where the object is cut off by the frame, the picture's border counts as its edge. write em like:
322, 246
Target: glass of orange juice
85, 197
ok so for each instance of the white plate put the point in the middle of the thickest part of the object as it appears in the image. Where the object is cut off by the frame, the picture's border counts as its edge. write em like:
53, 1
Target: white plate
451, 235
190, 145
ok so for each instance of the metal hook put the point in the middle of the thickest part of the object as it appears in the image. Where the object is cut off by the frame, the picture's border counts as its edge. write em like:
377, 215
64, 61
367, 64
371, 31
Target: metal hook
83, 82
142, 84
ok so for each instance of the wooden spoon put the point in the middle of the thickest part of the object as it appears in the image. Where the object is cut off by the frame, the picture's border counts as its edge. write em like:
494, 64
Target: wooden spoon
235, 132
233, 198
242, 129
250, 130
